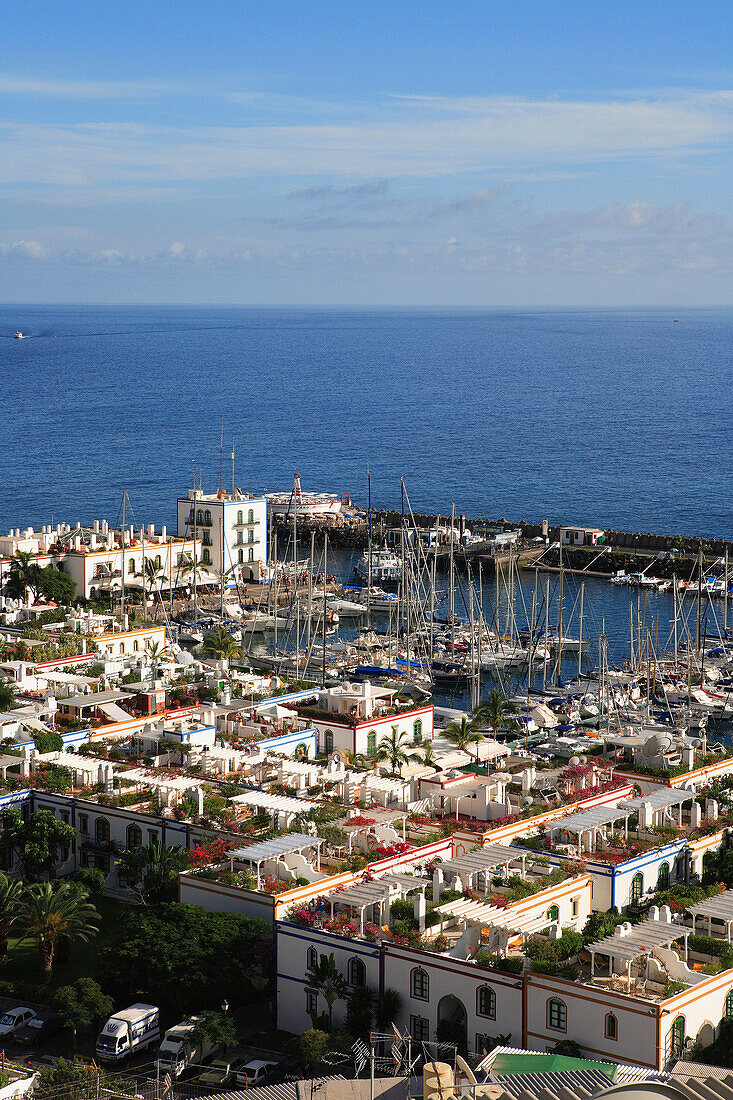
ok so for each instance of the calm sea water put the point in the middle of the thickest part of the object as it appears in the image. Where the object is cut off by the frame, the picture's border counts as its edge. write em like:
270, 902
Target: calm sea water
611, 418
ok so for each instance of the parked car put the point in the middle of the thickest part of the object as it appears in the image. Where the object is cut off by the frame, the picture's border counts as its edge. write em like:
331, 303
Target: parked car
256, 1072
13, 1019
39, 1028
220, 1072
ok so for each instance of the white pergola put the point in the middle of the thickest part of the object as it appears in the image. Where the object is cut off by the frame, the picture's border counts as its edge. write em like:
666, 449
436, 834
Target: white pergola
503, 923
662, 803
590, 821
630, 942
381, 892
275, 849
274, 803
482, 861
719, 908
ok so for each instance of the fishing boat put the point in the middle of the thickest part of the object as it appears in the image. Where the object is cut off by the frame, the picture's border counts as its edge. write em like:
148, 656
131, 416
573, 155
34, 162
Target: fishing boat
384, 566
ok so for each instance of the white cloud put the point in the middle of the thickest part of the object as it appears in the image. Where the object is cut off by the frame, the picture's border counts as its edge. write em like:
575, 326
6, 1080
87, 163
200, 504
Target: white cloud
421, 138
83, 89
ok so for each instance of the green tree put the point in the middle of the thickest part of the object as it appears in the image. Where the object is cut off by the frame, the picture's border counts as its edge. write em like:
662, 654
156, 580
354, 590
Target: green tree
56, 586
387, 1008
215, 1027
219, 644
186, 959
55, 911
90, 879
7, 696
325, 979
82, 1005
151, 873
11, 892
74, 1080
48, 741
568, 1047
427, 755
37, 840
310, 1048
462, 734
392, 749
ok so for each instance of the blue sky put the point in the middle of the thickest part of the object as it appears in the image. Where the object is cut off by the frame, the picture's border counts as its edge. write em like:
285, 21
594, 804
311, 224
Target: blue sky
507, 153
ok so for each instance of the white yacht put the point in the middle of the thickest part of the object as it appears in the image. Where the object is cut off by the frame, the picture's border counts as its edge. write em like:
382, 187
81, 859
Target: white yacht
18, 335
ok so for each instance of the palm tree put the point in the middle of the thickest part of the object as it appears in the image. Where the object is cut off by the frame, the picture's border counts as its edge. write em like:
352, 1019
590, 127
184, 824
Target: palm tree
7, 696
387, 1008
11, 892
155, 651
325, 978
493, 710
152, 576
462, 734
392, 749
53, 911
24, 575
356, 760
427, 755
220, 644
152, 872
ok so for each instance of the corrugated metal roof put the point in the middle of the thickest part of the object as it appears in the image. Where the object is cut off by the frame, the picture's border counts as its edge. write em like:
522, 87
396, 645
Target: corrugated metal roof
698, 1069
580, 1083
287, 1090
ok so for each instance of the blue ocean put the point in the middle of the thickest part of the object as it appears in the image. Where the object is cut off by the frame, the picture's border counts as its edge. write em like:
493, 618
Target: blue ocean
611, 418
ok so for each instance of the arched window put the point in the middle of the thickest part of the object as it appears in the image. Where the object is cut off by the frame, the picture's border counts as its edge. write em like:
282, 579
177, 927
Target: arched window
250, 536
122, 649
190, 517
486, 1001
135, 647
663, 877
240, 557
637, 887
131, 565
101, 830
158, 562
200, 517
356, 972
417, 732
312, 955
328, 741
611, 1026
134, 837
728, 1011
419, 984
557, 1014
553, 913
206, 557
371, 742
250, 516
677, 1036
251, 555
240, 516
207, 518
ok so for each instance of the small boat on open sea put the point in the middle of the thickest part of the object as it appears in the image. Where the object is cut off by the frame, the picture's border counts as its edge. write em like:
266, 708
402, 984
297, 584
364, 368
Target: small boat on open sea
18, 335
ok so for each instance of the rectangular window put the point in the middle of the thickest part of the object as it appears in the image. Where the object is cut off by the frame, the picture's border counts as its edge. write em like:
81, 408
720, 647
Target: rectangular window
420, 1029
311, 1001
64, 816
574, 904
557, 1015
484, 1044
83, 824
153, 836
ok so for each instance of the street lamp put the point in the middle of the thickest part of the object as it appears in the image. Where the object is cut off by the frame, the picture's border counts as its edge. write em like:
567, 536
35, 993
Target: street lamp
225, 1005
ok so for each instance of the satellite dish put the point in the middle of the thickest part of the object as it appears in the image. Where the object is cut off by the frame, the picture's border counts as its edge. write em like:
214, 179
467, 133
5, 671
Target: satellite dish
583, 759
574, 761
657, 744
336, 758
526, 801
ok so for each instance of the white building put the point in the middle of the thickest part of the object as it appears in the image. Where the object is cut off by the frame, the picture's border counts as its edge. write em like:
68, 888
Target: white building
353, 718
232, 530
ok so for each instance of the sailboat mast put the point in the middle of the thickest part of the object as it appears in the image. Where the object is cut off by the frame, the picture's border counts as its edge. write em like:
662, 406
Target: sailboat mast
452, 582
725, 593
325, 575
122, 597
295, 590
559, 621
369, 550
310, 593
580, 638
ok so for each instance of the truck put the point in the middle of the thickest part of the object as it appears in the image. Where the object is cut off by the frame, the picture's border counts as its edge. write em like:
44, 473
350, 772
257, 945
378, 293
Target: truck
133, 1029
180, 1049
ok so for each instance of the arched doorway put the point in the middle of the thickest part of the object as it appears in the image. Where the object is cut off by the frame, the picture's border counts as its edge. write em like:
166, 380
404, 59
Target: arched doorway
452, 1022
706, 1034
